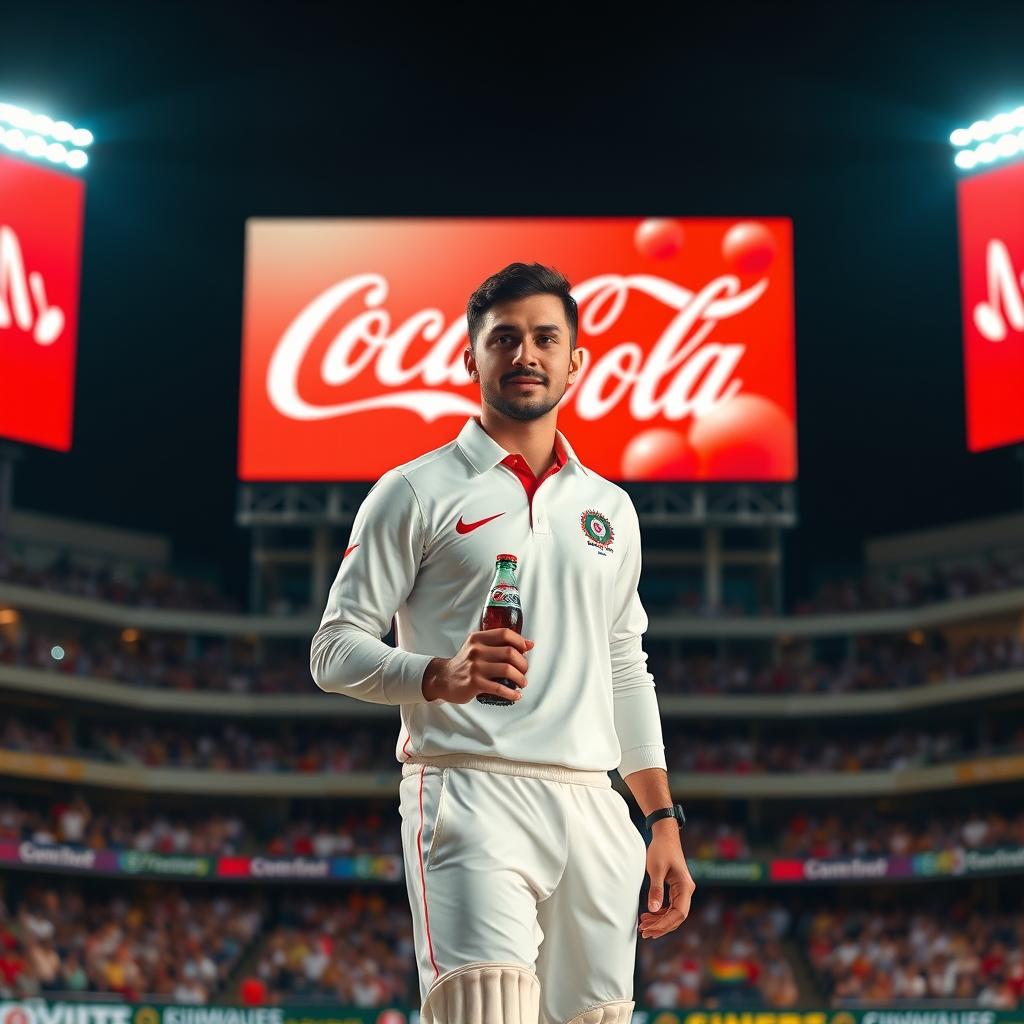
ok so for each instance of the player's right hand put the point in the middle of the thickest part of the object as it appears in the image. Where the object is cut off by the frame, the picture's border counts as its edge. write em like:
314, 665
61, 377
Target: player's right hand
489, 661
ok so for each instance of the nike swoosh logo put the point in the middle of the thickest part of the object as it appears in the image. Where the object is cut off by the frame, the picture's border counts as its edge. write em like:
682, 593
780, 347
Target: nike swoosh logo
462, 527
349, 551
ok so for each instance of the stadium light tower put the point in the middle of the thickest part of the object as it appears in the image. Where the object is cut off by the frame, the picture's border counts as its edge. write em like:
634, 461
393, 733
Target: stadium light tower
29, 309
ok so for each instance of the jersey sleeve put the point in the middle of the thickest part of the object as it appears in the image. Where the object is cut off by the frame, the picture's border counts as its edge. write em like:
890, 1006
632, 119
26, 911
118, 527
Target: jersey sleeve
637, 719
375, 577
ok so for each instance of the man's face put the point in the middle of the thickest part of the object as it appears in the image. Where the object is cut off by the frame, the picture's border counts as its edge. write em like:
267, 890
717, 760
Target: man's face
522, 358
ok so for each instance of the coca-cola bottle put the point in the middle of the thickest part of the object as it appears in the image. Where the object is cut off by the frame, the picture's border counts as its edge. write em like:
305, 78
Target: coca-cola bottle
502, 609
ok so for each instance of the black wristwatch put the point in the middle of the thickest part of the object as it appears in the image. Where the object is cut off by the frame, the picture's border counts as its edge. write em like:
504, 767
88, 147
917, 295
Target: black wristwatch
675, 811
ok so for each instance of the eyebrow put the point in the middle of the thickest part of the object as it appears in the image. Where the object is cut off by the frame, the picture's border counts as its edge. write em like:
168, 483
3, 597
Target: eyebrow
547, 328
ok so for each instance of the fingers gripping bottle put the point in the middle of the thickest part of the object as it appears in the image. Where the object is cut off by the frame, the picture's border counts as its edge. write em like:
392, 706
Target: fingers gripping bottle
502, 609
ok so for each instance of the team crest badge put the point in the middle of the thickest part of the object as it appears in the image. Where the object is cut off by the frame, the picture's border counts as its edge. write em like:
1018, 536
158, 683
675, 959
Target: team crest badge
597, 529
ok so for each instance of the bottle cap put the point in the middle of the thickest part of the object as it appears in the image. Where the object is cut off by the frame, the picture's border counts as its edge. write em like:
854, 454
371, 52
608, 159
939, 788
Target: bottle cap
507, 558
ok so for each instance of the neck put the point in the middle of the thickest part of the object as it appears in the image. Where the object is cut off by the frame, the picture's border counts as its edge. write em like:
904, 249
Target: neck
533, 439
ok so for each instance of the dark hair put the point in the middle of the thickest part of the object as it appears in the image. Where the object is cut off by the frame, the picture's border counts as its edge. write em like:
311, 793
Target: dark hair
516, 281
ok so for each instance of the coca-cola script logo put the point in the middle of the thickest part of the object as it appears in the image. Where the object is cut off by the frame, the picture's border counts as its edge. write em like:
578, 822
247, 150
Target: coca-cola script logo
505, 595
355, 329
991, 207
40, 245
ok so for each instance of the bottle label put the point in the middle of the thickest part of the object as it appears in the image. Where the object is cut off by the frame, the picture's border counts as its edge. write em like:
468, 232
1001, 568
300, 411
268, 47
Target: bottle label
504, 597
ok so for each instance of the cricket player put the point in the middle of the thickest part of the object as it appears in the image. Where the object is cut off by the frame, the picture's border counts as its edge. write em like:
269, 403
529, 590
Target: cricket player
522, 864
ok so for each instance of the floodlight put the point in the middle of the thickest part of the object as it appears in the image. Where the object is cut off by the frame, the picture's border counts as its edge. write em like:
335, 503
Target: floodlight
43, 138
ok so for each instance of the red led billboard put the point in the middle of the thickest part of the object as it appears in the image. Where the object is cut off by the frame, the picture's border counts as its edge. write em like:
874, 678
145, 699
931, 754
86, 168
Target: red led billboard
40, 253
354, 332
991, 207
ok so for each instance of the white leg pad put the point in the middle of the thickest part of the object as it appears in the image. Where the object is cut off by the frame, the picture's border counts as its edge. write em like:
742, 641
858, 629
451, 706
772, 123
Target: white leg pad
605, 1013
485, 993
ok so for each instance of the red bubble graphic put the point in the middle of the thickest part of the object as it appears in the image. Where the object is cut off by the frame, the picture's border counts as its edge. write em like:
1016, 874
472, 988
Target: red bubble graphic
659, 454
748, 247
659, 238
745, 438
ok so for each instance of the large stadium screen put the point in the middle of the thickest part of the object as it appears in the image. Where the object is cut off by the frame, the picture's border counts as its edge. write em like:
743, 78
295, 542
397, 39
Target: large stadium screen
40, 254
354, 332
991, 208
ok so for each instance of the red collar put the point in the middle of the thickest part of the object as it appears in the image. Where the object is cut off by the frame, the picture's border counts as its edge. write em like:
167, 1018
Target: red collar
521, 467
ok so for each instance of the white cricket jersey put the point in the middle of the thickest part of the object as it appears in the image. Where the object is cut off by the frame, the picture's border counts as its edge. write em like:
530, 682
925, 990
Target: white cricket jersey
422, 552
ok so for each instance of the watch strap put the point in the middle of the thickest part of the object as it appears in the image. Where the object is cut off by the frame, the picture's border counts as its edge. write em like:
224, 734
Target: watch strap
675, 811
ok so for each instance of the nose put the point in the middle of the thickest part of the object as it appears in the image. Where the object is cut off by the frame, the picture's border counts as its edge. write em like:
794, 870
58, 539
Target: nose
525, 355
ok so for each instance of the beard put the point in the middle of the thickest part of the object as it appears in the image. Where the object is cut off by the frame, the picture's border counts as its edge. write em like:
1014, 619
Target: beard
524, 409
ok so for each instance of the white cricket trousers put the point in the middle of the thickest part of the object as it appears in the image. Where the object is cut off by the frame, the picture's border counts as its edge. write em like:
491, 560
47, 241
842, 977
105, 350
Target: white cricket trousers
515, 862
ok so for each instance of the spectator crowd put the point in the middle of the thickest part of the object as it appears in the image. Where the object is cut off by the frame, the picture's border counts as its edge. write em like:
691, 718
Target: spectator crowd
727, 953
877, 663
874, 663
893, 954
166, 943
354, 949
140, 588
876, 589
312, 747
75, 822
865, 833
372, 828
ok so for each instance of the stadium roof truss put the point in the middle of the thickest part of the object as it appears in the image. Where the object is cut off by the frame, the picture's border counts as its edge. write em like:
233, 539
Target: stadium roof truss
734, 505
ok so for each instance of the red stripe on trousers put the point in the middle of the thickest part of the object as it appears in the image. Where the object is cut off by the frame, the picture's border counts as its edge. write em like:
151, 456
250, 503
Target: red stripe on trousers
423, 879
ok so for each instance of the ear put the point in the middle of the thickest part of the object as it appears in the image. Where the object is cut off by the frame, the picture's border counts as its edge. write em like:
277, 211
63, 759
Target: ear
576, 361
470, 363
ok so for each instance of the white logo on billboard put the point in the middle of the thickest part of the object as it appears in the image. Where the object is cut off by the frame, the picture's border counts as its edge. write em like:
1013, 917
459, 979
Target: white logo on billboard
23, 297
1005, 295
700, 373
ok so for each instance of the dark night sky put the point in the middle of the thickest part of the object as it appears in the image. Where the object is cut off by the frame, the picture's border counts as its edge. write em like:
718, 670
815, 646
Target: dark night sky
837, 117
